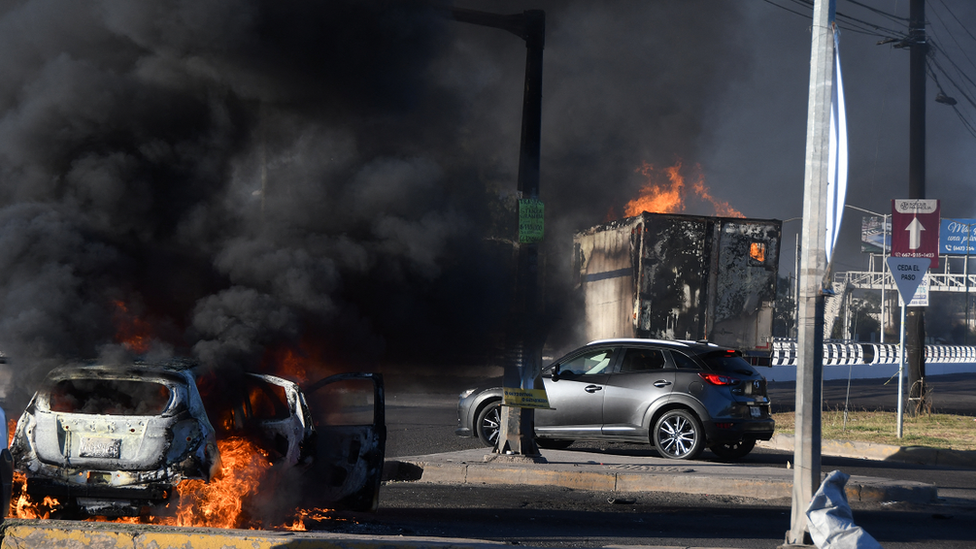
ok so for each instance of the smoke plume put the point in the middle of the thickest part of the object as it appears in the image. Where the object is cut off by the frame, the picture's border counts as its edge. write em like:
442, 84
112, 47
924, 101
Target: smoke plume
259, 174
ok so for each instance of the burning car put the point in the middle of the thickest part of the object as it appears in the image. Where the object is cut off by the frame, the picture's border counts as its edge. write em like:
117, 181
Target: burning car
115, 440
118, 440
273, 411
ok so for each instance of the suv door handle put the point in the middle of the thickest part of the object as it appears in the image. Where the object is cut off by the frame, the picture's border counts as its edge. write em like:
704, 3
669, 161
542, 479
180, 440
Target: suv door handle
661, 383
592, 388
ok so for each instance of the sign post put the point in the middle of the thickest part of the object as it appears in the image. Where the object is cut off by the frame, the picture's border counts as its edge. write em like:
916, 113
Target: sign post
908, 273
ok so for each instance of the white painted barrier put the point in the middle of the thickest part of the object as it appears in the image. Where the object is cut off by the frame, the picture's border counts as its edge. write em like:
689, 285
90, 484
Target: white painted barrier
868, 360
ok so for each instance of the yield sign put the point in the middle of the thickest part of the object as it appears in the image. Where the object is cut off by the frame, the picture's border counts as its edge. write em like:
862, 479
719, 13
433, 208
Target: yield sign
908, 273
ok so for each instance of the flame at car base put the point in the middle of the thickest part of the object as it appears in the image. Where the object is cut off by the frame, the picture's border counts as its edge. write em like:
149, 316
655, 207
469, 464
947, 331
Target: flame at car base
223, 502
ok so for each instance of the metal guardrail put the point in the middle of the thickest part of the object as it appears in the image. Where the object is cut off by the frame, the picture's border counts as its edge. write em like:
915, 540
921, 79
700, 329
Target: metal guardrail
843, 354
874, 280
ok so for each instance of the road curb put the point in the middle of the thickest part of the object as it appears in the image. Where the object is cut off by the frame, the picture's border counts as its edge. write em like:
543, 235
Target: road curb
44, 534
691, 478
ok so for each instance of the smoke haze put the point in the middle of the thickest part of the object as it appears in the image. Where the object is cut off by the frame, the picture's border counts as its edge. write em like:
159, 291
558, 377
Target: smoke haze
339, 175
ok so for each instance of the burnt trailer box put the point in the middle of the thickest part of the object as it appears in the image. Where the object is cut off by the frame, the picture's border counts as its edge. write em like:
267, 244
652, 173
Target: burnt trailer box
671, 276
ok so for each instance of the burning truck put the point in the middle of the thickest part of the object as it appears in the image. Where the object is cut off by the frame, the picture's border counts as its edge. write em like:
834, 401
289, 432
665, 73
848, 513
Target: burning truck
673, 276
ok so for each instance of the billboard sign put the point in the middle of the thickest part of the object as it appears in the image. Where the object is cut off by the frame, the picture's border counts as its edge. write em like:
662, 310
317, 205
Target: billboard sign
875, 234
956, 237
921, 297
915, 229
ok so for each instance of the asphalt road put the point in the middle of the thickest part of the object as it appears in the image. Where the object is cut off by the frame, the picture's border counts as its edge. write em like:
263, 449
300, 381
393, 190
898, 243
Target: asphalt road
421, 419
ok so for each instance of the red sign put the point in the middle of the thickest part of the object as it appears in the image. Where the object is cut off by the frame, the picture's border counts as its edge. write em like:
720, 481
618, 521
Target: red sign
915, 229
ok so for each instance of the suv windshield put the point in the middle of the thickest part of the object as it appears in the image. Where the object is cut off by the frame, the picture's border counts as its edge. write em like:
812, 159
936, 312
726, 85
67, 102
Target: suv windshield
109, 397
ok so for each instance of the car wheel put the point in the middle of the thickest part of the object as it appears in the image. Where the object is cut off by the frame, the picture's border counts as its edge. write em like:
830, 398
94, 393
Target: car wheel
552, 444
678, 435
490, 423
733, 450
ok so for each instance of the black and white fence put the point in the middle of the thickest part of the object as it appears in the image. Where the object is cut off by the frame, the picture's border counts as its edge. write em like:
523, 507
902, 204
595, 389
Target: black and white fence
870, 360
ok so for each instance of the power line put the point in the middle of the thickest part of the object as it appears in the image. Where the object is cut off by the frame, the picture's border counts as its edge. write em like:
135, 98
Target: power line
949, 32
933, 63
847, 22
958, 79
957, 19
893, 17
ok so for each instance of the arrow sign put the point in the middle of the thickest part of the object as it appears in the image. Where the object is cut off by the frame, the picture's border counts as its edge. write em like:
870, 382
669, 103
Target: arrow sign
908, 273
914, 229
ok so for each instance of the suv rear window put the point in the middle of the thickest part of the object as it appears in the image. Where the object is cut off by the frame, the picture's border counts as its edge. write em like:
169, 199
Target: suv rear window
728, 361
113, 397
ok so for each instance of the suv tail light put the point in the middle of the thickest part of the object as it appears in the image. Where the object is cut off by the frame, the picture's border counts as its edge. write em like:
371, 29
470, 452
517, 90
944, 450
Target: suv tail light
718, 379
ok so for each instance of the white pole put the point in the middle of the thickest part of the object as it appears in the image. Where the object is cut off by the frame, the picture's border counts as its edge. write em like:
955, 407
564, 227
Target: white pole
901, 370
884, 272
813, 266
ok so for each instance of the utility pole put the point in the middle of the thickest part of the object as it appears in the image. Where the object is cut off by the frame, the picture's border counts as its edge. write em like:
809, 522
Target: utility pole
524, 336
813, 266
915, 317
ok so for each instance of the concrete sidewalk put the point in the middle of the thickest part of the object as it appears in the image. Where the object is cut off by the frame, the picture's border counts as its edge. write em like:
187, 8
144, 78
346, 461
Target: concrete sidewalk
626, 473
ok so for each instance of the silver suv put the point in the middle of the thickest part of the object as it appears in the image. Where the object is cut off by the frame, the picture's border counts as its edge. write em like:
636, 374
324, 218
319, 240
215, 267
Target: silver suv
679, 396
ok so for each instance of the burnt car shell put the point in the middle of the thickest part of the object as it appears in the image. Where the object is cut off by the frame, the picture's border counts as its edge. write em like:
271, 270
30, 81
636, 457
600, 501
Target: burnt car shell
115, 440
273, 410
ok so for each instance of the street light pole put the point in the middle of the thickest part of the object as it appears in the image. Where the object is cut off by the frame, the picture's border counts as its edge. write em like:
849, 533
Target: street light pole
884, 256
796, 279
524, 337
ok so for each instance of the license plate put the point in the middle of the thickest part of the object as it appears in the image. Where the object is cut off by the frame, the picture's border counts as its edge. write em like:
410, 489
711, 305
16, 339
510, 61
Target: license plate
100, 447
755, 411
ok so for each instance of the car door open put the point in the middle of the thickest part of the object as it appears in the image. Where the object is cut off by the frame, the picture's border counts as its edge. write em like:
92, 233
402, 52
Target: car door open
348, 411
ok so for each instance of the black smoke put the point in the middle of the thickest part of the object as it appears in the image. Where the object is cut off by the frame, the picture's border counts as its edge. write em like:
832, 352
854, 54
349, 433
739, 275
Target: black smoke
247, 175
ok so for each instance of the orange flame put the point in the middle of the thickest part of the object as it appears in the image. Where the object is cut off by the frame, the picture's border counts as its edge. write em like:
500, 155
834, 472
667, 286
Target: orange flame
131, 331
299, 364
22, 506
219, 503
291, 364
307, 514
667, 194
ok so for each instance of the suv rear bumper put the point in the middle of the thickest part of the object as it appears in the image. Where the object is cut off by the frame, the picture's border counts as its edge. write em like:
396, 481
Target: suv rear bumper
729, 431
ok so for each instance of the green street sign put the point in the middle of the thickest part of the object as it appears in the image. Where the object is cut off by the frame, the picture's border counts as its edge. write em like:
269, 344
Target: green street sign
531, 221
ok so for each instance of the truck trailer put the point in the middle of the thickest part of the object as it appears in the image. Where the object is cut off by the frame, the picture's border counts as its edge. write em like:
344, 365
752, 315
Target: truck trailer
674, 276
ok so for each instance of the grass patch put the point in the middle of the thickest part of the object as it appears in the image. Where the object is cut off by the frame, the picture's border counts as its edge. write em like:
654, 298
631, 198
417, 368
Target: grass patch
934, 430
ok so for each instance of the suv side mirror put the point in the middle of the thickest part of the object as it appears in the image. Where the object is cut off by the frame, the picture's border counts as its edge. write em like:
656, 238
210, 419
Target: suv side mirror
555, 373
